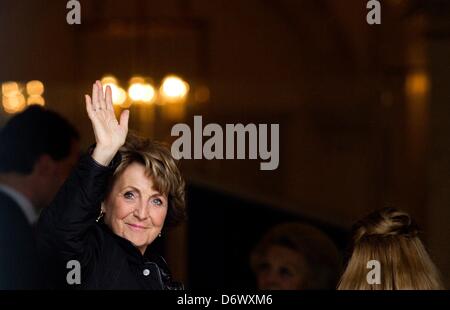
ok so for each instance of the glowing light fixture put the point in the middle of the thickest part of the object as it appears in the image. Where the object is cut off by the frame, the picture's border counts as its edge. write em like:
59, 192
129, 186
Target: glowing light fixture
140, 91
417, 84
39, 100
109, 79
174, 89
35, 88
13, 100
14, 104
10, 89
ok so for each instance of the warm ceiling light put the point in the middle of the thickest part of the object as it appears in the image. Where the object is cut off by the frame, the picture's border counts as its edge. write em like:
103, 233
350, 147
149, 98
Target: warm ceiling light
417, 84
120, 96
140, 90
39, 100
10, 89
148, 93
109, 79
14, 104
174, 88
35, 88
137, 80
135, 91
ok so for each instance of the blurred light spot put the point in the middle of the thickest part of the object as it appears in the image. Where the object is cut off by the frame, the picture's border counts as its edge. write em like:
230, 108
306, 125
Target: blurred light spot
120, 97
142, 92
14, 103
10, 89
174, 89
417, 84
149, 93
135, 91
35, 88
109, 79
36, 99
137, 80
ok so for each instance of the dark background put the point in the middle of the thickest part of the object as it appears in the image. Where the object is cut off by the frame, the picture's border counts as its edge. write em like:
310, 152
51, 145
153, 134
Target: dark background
223, 230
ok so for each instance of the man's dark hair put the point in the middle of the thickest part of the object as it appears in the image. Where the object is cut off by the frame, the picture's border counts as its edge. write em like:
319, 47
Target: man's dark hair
32, 133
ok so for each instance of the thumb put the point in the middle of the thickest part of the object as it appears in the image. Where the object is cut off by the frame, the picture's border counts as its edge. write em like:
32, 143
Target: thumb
124, 117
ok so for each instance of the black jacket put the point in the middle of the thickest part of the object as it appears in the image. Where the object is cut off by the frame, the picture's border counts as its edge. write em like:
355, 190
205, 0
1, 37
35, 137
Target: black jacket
67, 230
19, 265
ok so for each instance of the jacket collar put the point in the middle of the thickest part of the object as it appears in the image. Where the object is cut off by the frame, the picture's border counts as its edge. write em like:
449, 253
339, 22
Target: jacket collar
134, 254
22, 201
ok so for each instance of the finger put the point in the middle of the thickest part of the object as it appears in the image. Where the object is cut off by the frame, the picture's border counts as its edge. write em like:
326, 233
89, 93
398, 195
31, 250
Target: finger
101, 97
88, 105
124, 117
108, 98
94, 97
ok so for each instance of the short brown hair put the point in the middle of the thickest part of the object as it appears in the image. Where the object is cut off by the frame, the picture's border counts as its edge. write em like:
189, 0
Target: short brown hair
161, 166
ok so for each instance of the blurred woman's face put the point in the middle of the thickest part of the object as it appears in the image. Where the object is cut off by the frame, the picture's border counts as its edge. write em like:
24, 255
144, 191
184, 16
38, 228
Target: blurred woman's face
280, 269
134, 210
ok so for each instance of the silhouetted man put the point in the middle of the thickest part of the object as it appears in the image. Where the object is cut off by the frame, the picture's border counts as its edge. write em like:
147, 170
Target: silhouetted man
38, 149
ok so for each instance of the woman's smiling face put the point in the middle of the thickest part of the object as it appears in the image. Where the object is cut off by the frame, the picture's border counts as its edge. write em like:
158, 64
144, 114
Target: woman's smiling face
134, 209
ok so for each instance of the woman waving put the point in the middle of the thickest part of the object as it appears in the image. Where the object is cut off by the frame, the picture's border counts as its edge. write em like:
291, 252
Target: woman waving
118, 200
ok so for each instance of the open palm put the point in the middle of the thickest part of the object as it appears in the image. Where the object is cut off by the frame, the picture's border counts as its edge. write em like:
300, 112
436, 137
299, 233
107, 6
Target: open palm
109, 134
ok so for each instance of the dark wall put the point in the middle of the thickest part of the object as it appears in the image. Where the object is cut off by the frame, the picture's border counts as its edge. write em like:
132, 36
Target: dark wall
223, 229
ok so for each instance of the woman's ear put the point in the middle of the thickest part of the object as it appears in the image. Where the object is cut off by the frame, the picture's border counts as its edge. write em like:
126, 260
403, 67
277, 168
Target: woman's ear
103, 209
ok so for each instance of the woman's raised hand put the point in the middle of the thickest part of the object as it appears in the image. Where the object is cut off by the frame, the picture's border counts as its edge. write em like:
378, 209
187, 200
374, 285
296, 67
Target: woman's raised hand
109, 134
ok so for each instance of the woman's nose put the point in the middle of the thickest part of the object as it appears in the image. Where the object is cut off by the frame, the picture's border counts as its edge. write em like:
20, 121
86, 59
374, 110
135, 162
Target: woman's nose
141, 211
268, 280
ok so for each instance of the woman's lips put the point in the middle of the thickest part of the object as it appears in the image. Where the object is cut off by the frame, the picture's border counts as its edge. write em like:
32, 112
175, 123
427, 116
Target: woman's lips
136, 226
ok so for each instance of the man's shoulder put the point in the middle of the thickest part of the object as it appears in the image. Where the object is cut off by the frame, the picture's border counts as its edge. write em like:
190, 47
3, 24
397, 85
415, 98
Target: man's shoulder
7, 202
10, 212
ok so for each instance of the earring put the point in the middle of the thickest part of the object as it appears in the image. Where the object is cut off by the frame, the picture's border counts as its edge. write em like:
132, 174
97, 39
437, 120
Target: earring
159, 235
99, 216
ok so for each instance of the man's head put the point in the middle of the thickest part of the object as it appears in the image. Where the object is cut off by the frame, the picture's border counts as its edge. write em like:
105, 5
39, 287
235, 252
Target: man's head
38, 149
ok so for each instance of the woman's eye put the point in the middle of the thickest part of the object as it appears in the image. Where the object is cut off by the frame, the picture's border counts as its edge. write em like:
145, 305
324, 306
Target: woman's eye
128, 195
157, 202
286, 273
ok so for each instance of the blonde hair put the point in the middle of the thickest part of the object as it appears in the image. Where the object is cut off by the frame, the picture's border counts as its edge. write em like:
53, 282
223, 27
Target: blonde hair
391, 237
161, 166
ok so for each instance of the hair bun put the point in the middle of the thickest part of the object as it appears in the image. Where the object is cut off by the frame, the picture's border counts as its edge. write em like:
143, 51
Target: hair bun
386, 222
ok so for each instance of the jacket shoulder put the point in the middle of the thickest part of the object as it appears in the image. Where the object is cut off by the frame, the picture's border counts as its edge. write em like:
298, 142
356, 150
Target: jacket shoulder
10, 213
